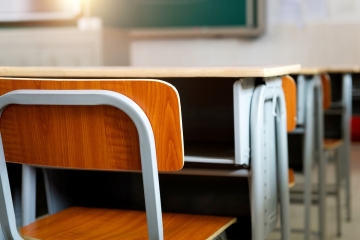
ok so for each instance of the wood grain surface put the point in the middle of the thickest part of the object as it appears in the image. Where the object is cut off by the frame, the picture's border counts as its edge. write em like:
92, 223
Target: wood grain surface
331, 144
289, 88
136, 72
94, 223
92, 137
291, 178
326, 86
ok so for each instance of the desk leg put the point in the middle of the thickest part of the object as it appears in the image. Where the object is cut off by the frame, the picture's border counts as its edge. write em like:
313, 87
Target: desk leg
319, 138
308, 156
257, 182
347, 103
257, 167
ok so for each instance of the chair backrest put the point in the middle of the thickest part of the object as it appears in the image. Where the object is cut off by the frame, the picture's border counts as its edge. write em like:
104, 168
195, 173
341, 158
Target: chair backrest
91, 137
326, 86
49, 123
289, 88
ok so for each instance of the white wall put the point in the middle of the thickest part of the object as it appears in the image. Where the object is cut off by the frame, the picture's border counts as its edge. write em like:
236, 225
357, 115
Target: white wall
63, 46
310, 32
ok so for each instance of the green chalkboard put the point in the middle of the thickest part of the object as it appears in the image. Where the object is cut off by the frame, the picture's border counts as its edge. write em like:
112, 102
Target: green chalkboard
143, 14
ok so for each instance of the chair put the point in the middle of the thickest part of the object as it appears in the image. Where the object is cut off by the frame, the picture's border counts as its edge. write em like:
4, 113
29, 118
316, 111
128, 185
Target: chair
126, 125
332, 147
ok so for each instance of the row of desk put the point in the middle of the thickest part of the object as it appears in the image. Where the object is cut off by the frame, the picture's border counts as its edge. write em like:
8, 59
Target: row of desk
317, 127
234, 127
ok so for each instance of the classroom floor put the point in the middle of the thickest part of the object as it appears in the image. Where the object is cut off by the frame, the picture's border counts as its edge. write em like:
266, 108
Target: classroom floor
350, 230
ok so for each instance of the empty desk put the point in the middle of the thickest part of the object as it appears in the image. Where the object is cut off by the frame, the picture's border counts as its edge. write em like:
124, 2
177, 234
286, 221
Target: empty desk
228, 119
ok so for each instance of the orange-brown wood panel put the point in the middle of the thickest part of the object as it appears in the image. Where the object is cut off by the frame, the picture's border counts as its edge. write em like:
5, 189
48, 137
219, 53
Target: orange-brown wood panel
90, 223
92, 137
289, 88
291, 177
331, 144
326, 86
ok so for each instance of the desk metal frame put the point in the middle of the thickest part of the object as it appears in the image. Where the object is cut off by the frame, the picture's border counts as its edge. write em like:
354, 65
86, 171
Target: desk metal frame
255, 109
262, 108
268, 100
346, 118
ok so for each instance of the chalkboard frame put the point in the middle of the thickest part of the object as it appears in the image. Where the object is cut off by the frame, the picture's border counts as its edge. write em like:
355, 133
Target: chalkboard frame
256, 22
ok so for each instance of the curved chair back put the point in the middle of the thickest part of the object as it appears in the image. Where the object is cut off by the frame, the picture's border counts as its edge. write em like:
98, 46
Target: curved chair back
326, 86
92, 137
289, 88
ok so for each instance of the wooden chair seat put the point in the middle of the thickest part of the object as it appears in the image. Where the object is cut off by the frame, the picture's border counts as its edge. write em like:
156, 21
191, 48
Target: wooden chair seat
331, 144
97, 223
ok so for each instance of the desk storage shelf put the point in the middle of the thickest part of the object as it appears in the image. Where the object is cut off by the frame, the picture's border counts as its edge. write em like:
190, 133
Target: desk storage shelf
208, 119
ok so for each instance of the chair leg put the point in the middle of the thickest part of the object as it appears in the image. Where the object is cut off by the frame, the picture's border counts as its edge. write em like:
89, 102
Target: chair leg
283, 168
307, 192
319, 136
8, 228
348, 181
338, 192
322, 195
28, 197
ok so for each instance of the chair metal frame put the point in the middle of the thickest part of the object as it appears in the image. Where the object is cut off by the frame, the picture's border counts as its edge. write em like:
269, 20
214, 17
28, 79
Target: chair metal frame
311, 116
342, 154
89, 98
343, 167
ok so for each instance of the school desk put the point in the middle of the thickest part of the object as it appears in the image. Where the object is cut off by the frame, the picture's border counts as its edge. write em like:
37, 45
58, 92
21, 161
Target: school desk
341, 106
250, 98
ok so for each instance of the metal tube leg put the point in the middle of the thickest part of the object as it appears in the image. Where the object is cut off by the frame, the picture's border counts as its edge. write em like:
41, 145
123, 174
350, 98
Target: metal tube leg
307, 192
28, 198
257, 188
348, 194
56, 193
322, 159
348, 183
282, 164
322, 196
347, 102
308, 157
338, 192
7, 216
